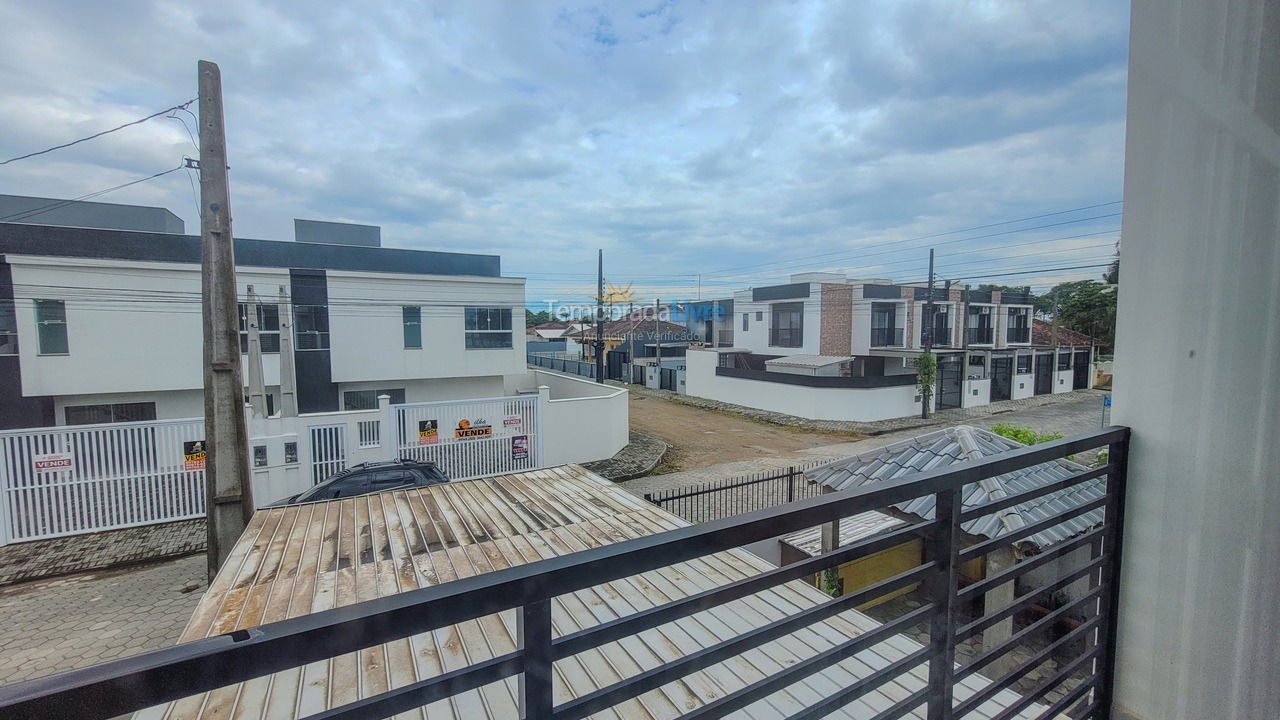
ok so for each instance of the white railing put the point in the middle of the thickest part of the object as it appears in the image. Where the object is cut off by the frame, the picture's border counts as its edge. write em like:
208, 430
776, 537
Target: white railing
471, 438
69, 480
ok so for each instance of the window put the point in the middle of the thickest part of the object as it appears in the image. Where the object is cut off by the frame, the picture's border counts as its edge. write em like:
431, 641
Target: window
745, 317
786, 328
368, 399
759, 316
8, 328
311, 327
110, 413
388, 479
412, 317
488, 328
268, 327
1018, 330
51, 327
1024, 364
1064, 361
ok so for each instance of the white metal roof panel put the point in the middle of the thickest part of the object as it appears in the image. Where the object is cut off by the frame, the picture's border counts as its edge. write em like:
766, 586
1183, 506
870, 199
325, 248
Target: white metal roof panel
809, 361
295, 560
852, 529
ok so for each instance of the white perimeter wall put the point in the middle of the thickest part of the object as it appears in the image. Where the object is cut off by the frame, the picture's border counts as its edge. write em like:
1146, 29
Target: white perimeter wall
1198, 363
798, 400
582, 420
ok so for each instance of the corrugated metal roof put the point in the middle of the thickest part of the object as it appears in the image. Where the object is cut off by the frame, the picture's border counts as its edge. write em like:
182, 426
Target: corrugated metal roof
961, 443
852, 529
295, 560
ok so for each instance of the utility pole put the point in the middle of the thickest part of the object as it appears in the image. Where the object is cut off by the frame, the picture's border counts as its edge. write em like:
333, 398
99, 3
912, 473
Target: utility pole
600, 316
288, 380
229, 498
927, 329
964, 326
1053, 334
257, 385
699, 286
657, 336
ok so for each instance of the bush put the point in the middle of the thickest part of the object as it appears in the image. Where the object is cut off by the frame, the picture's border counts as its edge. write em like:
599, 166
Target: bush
1026, 436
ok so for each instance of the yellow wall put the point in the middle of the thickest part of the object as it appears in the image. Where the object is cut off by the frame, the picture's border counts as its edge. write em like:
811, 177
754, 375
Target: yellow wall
883, 565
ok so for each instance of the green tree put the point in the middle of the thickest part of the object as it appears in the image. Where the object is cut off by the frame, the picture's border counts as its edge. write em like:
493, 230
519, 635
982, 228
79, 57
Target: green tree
1086, 306
926, 376
536, 318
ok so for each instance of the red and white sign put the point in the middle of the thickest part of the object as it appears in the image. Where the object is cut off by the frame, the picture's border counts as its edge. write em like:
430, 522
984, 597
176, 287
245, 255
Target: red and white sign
52, 462
512, 421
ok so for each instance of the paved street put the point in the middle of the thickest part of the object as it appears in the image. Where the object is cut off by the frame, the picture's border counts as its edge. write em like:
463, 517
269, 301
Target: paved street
1067, 414
78, 620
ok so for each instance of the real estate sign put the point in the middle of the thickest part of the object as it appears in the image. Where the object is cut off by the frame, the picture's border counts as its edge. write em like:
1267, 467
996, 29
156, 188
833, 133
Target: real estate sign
473, 430
193, 455
428, 432
52, 462
520, 447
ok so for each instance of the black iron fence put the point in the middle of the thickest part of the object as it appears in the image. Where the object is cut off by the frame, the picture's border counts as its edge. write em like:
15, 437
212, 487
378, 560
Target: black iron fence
566, 365
726, 498
980, 336
133, 683
1018, 335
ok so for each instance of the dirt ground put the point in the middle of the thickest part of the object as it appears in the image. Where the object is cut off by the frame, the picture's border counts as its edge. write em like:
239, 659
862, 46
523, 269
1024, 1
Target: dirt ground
705, 437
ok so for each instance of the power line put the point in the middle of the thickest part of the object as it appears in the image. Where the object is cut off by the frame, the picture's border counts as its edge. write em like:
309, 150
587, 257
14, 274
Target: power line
62, 203
182, 106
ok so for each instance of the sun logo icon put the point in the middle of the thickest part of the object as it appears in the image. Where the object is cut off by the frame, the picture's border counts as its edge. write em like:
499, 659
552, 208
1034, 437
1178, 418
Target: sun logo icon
615, 295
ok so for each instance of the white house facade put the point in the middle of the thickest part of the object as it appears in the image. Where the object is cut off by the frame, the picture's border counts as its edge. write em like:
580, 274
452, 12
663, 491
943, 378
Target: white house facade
102, 325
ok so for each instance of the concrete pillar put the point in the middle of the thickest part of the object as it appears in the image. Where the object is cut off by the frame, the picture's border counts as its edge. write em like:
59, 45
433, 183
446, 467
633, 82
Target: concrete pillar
389, 433
995, 599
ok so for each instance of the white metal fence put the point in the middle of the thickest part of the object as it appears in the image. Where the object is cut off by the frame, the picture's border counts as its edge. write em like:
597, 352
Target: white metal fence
471, 438
69, 480
328, 451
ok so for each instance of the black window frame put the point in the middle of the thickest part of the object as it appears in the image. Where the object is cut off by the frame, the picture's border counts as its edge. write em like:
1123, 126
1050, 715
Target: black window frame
411, 322
8, 327
109, 413
478, 330
1019, 368
1065, 360
790, 334
268, 339
50, 328
368, 399
310, 327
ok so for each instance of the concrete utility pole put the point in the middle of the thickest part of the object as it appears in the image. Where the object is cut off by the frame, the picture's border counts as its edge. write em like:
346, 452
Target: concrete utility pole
926, 330
657, 336
1053, 335
257, 384
600, 316
288, 379
229, 500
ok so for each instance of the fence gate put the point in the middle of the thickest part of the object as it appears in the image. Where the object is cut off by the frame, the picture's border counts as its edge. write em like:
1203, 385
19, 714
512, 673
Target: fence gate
85, 478
328, 451
471, 438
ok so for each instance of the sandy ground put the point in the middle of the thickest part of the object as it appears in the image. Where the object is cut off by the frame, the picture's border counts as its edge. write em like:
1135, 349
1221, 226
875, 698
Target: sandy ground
703, 437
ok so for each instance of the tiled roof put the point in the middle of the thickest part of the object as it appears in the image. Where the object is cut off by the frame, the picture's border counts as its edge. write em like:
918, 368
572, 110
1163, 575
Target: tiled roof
1042, 334
959, 444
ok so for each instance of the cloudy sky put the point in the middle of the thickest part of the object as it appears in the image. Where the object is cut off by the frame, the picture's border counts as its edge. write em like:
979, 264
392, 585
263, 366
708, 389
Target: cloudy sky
742, 141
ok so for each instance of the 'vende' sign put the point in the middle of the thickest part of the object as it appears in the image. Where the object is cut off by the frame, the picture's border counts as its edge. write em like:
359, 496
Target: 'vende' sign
52, 462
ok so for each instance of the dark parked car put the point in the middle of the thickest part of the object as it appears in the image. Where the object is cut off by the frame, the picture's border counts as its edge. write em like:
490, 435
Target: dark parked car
368, 478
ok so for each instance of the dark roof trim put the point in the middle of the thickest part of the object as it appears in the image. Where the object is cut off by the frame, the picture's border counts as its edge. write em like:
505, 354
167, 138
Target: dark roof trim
46, 240
780, 292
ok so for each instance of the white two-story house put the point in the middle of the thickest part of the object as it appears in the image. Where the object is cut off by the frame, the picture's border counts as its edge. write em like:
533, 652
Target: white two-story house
103, 325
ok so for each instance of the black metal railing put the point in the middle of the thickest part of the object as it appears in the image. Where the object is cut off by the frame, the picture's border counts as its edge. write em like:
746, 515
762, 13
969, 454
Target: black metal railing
736, 496
141, 681
941, 336
886, 337
566, 365
820, 381
980, 336
1018, 335
786, 337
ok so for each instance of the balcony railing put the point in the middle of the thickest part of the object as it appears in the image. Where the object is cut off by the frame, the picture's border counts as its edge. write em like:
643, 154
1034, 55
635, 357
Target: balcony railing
886, 337
133, 683
1018, 335
980, 336
941, 336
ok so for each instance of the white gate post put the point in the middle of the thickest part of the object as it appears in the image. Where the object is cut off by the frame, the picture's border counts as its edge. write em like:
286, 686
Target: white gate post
389, 433
5, 483
544, 397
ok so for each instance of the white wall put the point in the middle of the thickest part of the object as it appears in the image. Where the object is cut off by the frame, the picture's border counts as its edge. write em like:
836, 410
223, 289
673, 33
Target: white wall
433, 389
1198, 363
380, 353
582, 420
1063, 381
1024, 384
150, 339
756, 337
798, 400
170, 405
977, 393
